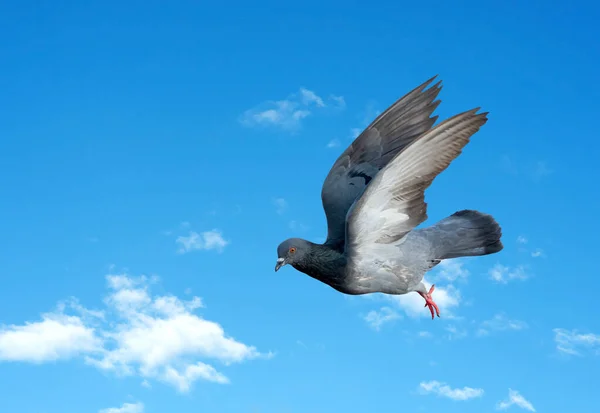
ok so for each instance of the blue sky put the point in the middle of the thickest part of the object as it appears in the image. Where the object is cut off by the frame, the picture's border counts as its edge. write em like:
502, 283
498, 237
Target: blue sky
153, 156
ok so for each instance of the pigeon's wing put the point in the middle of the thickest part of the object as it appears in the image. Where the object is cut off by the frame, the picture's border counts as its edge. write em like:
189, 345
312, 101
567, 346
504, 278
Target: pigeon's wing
387, 135
394, 202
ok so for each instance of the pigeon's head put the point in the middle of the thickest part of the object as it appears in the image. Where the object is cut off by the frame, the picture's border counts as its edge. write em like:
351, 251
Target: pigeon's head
291, 251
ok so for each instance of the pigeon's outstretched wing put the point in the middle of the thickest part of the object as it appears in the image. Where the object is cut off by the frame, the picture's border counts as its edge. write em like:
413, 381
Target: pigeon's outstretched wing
394, 203
386, 136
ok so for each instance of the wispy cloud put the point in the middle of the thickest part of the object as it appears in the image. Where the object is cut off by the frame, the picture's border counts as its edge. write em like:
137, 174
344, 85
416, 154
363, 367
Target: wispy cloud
500, 323
125, 408
451, 270
412, 304
572, 342
288, 113
155, 337
334, 143
376, 319
540, 170
208, 240
297, 226
339, 101
534, 253
444, 390
281, 205
535, 171
503, 274
537, 253
515, 399
309, 97
284, 113
455, 333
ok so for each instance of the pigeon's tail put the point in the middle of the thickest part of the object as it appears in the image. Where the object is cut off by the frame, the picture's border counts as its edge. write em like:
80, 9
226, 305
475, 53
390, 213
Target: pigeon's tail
466, 234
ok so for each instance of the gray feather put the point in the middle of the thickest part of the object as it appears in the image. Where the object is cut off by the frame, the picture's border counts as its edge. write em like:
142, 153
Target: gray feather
394, 203
465, 233
392, 131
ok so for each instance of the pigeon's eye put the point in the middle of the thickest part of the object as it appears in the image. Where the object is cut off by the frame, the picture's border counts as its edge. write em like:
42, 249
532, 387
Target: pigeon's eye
292, 250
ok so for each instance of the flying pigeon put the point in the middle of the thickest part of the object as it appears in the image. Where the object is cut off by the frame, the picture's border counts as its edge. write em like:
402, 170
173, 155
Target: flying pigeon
374, 197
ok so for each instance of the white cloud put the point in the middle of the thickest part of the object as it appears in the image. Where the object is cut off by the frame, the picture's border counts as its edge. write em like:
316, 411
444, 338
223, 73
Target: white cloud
208, 240
281, 205
309, 97
125, 408
354, 132
503, 274
413, 304
154, 337
451, 270
540, 170
287, 113
160, 337
515, 399
376, 319
297, 226
500, 323
537, 253
443, 390
183, 378
574, 343
334, 143
339, 100
57, 336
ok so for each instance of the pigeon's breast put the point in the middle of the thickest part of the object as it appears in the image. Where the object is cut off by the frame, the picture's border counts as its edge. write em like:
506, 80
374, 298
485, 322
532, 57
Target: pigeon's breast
383, 268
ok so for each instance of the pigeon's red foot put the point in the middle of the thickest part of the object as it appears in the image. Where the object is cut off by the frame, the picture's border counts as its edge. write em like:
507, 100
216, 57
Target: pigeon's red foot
429, 302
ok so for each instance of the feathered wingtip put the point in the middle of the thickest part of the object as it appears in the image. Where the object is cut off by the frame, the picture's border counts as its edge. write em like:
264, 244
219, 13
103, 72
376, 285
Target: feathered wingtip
412, 99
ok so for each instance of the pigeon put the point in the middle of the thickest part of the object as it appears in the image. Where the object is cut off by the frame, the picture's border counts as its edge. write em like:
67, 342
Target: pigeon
374, 198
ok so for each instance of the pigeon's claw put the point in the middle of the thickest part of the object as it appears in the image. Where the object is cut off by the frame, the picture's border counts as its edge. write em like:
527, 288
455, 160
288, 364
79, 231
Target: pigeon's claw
430, 303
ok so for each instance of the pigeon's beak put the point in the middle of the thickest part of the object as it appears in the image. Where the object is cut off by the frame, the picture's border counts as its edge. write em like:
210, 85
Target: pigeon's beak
280, 263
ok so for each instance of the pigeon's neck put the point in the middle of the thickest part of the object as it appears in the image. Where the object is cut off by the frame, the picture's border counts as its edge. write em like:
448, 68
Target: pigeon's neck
324, 264
335, 244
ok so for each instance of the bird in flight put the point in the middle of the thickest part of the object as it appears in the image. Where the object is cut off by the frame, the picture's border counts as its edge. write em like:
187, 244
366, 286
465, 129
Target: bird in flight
374, 198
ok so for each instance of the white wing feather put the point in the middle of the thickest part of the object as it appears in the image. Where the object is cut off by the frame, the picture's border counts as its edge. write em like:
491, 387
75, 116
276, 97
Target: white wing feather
394, 202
